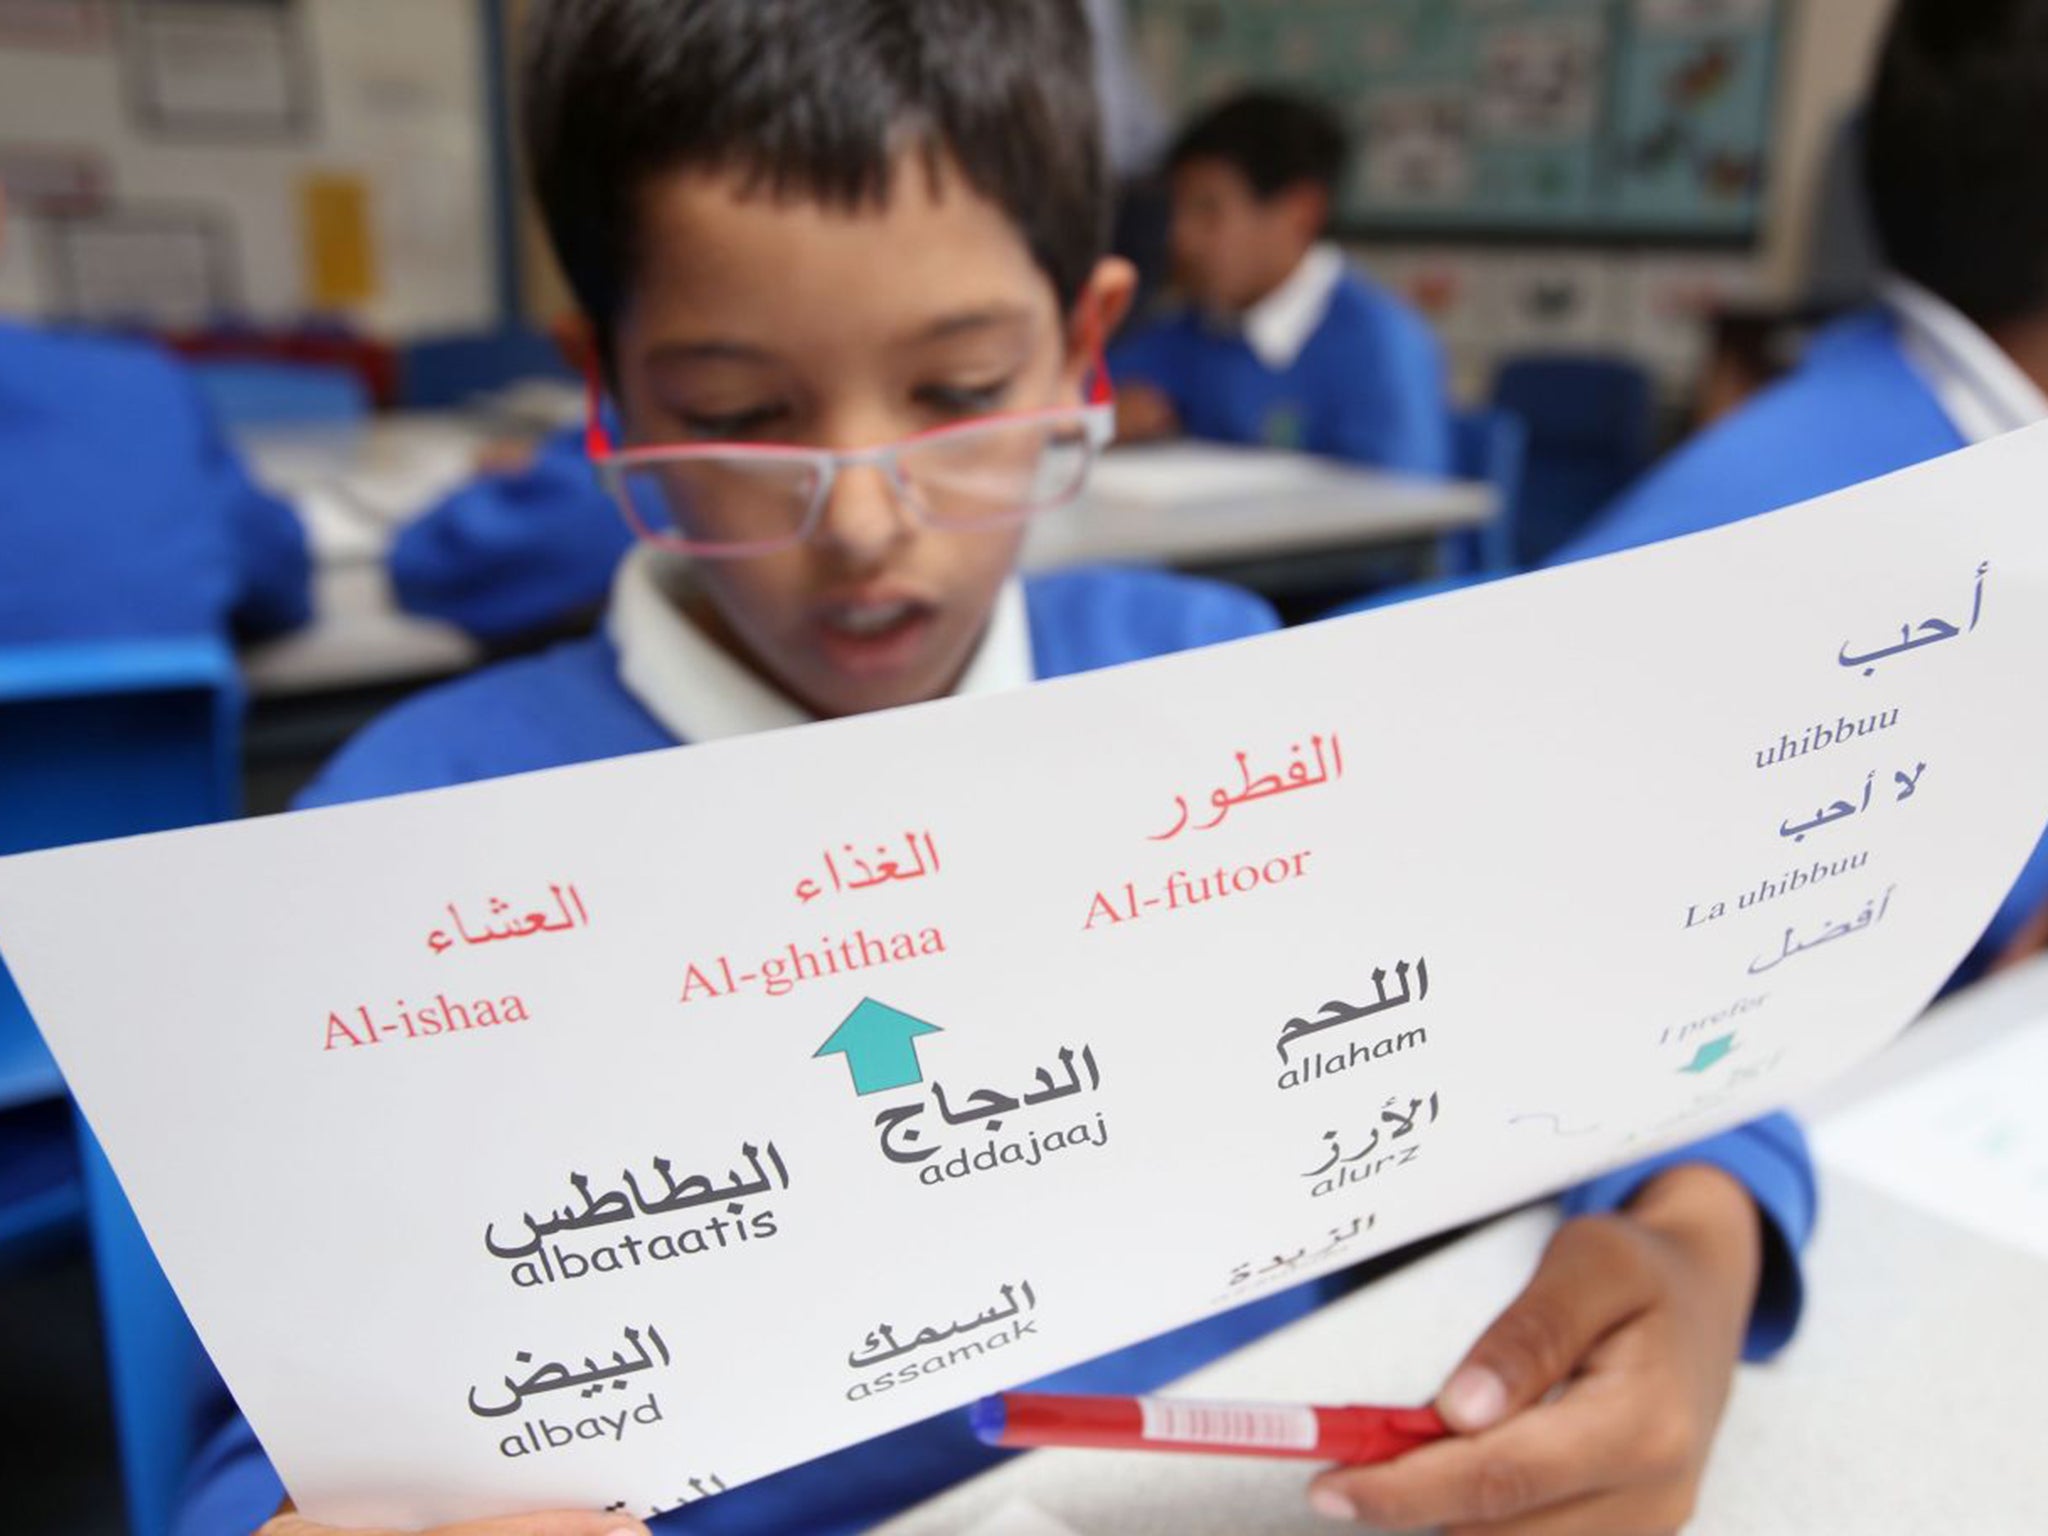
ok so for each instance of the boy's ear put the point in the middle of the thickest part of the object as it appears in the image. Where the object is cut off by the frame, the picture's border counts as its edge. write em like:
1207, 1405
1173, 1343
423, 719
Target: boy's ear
1306, 208
1104, 302
576, 339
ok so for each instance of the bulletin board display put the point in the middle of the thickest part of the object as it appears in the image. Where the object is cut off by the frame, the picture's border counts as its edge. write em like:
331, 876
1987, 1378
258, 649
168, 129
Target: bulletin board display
1582, 118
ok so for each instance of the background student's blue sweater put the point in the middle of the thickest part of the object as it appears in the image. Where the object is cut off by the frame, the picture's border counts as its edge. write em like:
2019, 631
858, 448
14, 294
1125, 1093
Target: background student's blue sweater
1855, 409
511, 553
1369, 386
568, 706
123, 513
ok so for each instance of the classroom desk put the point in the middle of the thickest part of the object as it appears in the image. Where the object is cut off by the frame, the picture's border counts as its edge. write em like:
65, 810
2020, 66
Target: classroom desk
1189, 505
1909, 1402
353, 487
1206, 504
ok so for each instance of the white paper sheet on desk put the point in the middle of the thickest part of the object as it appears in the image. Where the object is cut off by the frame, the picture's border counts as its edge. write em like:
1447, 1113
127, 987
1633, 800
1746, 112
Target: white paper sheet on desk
1966, 1141
505, 1143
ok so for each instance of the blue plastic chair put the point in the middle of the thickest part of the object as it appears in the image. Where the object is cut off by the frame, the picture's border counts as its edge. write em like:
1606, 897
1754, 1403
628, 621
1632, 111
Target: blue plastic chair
161, 1376
1490, 445
1592, 424
445, 372
244, 393
106, 740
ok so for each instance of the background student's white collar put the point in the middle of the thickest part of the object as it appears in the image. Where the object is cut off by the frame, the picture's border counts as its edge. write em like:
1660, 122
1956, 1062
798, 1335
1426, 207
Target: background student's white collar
700, 693
1984, 393
1279, 325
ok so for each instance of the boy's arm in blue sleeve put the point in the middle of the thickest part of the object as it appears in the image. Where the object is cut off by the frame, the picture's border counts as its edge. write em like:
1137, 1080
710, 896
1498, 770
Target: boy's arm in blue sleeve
1393, 411
508, 554
2025, 901
273, 567
1151, 356
1770, 1159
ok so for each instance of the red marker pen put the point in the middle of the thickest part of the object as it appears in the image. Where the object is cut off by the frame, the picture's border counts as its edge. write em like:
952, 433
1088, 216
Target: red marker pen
1352, 1436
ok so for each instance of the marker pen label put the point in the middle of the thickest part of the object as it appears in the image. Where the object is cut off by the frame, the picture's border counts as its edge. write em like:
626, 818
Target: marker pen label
1261, 1426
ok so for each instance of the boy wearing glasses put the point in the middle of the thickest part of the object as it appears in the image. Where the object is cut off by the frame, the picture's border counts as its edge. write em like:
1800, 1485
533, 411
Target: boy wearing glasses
844, 257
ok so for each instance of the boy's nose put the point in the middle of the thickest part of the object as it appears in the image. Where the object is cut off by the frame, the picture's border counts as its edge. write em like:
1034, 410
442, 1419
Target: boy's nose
865, 516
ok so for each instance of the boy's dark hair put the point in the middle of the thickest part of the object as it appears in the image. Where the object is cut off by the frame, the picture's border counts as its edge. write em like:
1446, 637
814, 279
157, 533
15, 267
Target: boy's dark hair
810, 99
1275, 141
1955, 151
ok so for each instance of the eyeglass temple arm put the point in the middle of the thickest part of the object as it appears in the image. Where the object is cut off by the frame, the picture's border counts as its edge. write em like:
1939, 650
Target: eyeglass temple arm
597, 438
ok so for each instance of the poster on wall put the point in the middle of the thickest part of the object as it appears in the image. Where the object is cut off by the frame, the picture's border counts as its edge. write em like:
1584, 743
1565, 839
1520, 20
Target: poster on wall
53, 178
232, 69
1418, 148
1504, 118
169, 267
1692, 111
66, 26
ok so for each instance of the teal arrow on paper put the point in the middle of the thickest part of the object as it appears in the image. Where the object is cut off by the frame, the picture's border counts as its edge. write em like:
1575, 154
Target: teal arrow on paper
1709, 1053
880, 1046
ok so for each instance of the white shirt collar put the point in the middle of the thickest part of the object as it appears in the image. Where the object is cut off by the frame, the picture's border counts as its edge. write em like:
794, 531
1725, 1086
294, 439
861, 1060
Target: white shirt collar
1279, 325
700, 693
1984, 393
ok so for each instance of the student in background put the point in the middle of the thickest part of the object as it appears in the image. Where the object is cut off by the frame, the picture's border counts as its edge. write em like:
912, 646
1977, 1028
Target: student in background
1281, 342
123, 512
517, 550
774, 259
1956, 352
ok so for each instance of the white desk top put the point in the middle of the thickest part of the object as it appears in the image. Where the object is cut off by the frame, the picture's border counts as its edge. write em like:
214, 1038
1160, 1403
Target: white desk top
1910, 1401
1196, 503
353, 488
1176, 504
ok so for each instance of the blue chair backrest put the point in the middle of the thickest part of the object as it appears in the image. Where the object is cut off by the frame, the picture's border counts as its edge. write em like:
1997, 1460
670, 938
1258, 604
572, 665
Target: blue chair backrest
105, 740
1592, 425
244, 393
159, 1371
1490, 445
444, 372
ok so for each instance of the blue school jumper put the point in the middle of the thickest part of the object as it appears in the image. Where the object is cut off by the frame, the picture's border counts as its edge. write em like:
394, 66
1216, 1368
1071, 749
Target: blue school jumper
509, 554
1854, 410
1369, 385
123, 513
568, 706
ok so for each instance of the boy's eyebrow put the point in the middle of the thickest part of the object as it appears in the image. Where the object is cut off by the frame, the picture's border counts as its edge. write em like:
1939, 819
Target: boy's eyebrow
994, 317
709, 352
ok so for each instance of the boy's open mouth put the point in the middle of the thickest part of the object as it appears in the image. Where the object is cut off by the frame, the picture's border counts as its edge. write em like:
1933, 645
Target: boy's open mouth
868, 636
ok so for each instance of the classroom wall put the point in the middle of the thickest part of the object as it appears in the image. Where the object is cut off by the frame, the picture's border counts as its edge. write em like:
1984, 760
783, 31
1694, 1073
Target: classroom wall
1833, 48
1492, 302
378, 209
544, 293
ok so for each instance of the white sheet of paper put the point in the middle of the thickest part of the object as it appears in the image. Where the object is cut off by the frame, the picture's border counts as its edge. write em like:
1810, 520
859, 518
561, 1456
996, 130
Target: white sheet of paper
498, 1141
1967, 1142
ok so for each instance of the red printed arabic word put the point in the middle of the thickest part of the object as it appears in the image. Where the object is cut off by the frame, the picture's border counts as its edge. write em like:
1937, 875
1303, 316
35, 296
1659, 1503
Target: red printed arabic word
848, 871
569, 913
1329, 756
